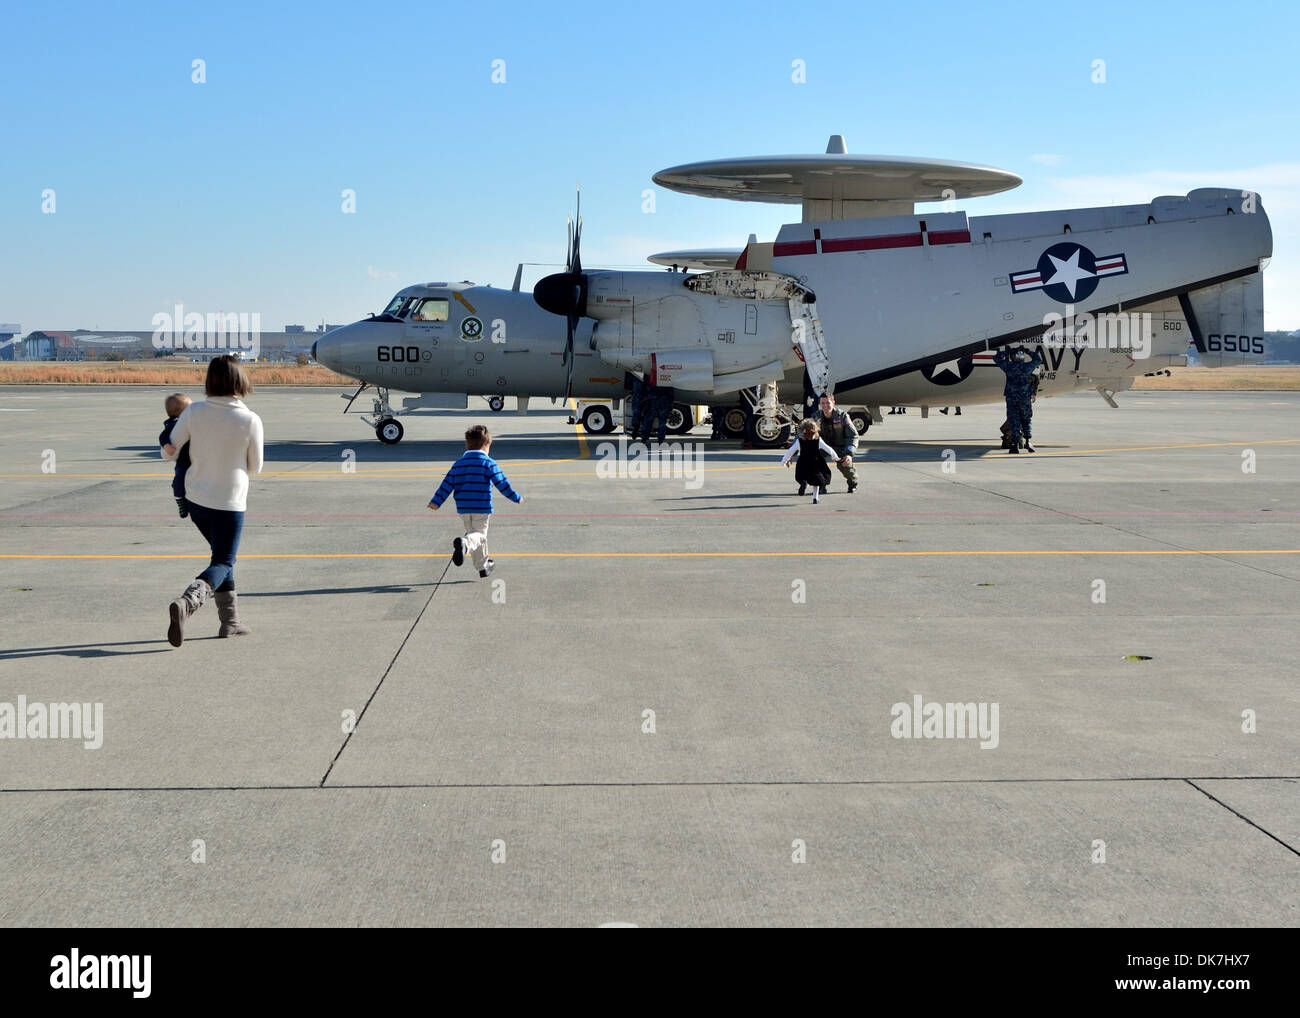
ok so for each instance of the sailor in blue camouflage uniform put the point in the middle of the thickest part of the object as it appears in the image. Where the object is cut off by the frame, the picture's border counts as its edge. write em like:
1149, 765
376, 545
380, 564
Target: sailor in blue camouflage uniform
1018, 390
659, 401
634, 408
838, 432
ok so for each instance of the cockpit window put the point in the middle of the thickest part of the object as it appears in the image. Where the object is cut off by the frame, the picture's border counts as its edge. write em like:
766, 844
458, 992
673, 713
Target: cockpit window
398, 305
431, 309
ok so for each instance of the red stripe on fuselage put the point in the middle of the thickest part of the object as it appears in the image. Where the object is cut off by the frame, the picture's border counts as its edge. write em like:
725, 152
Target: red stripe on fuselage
871, 243
838, 245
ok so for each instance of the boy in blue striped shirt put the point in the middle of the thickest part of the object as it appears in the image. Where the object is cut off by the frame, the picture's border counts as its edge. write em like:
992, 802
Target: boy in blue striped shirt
470, 482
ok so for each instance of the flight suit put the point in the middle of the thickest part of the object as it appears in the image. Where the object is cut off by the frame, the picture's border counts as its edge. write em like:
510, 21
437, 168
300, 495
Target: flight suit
838, 432
1019, 393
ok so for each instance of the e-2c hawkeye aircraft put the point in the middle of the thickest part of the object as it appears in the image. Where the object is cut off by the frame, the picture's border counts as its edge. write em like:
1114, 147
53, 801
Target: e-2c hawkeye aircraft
863, 298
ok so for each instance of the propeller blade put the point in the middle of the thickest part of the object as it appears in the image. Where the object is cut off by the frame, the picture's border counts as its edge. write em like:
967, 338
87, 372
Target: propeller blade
576, 260
567, 361
565, 293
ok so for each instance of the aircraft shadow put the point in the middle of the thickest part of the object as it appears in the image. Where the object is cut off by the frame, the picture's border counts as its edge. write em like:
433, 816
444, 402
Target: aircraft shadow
717, 508
728, 496
372, 452
560, 446
907, 452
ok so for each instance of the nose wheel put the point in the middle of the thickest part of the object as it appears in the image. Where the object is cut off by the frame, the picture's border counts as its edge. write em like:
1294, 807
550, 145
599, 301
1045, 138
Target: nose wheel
390, 431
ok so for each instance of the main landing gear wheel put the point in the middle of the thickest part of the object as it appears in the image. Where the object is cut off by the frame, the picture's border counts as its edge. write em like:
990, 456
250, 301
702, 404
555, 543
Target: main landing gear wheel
389, 432
597, 420
861, 421
766, 432
496, 404
733, 422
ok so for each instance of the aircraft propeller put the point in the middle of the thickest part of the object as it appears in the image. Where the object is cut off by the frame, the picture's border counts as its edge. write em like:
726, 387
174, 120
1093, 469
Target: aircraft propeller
565, 293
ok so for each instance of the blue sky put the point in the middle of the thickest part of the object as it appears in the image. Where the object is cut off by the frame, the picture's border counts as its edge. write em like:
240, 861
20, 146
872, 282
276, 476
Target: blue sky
226, 195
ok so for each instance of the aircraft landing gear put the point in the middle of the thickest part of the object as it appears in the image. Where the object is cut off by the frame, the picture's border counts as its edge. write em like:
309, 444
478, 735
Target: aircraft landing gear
768, 424
766, 432
733, 420
389, 431
496, 403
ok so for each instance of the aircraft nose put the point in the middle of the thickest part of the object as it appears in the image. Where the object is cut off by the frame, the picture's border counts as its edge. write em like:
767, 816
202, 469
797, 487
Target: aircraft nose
326, 349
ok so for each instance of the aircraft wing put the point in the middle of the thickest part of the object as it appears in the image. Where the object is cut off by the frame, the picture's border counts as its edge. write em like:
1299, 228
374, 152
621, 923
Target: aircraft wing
703, 259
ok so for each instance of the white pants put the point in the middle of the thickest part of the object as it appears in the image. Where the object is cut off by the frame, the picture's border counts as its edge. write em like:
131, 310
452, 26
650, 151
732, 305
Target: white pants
475, 540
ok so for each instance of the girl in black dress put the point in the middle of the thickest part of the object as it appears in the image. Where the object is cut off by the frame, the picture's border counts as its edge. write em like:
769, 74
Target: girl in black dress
812, 452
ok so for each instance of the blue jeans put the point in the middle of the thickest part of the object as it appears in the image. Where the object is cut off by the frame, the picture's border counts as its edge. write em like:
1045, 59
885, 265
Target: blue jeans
221, 528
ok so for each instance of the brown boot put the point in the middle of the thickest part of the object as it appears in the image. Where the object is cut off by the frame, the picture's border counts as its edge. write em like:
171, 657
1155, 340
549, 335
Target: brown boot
185, 606
228, 609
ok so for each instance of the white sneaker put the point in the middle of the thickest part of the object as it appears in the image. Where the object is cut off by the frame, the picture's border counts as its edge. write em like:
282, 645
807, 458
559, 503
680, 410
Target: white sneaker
487, 568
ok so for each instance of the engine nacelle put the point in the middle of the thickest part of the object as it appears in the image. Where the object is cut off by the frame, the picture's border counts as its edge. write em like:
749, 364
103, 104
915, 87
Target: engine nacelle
725, 329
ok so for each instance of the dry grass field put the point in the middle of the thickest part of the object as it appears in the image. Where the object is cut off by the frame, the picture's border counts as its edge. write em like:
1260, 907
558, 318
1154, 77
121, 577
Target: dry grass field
155, 372
184, 373
1281, 376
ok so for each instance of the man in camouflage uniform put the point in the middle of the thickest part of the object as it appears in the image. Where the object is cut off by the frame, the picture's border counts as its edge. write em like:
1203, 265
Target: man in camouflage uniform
1018, 390
838, 432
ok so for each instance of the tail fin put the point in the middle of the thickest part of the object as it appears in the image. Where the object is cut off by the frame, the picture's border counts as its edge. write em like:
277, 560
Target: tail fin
1227, 321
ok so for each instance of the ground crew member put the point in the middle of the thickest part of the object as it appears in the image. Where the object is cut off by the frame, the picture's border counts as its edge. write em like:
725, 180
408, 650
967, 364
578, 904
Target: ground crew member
838, 432
635, 407
659, 400
1018, 391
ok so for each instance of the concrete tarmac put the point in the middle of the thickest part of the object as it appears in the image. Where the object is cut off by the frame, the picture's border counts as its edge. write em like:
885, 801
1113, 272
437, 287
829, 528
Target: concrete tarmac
1121, 610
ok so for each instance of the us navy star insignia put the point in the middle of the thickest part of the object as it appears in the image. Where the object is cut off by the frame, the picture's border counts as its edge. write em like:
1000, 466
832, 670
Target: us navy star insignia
1068, 272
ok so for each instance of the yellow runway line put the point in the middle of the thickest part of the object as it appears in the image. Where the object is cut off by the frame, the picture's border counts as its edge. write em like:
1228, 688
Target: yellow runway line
581, 432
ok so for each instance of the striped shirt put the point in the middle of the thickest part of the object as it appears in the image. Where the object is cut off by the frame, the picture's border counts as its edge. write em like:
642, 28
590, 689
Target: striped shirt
470, 480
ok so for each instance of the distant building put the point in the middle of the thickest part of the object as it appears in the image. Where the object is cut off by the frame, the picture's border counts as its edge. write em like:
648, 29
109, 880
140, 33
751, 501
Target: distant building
8, 342
135, 344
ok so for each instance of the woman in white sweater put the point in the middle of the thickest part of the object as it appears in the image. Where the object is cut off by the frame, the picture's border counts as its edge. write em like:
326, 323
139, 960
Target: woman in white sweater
225, 440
